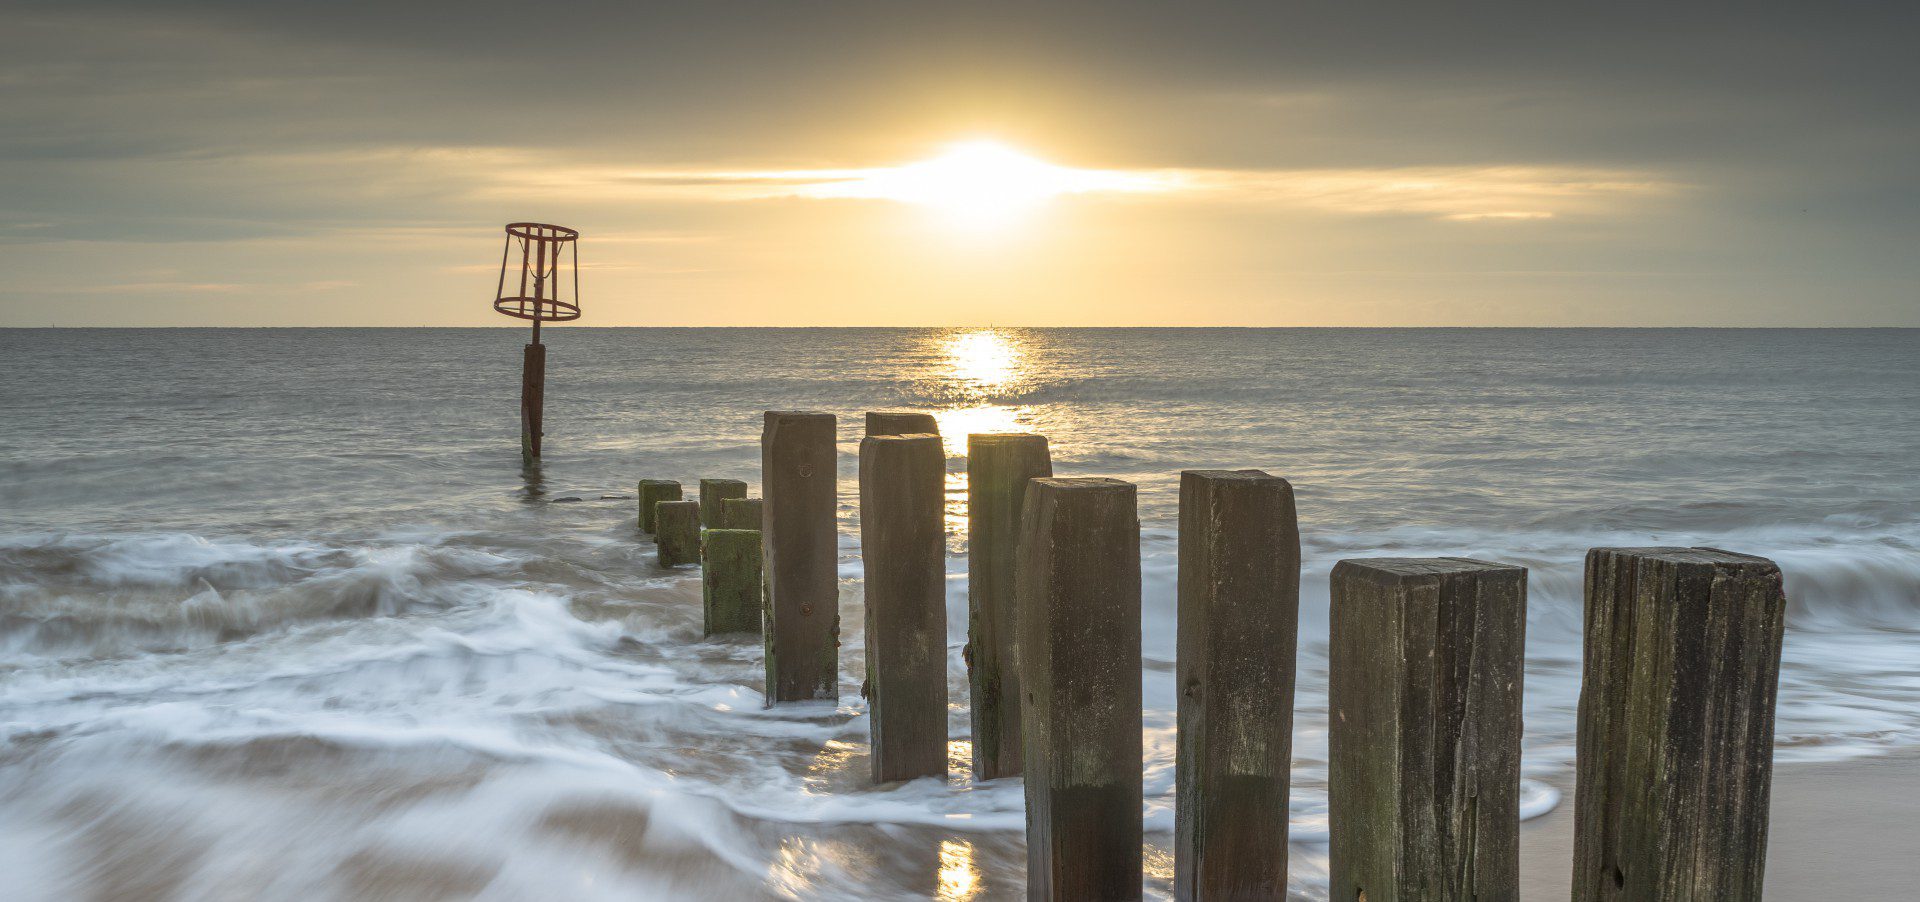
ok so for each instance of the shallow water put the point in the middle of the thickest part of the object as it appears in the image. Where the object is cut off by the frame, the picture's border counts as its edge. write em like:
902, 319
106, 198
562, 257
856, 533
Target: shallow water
281, 614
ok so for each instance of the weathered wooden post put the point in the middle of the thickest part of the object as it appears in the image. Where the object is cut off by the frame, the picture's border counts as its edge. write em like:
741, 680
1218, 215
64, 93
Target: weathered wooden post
1423, 776
998, 467
1675, 746
903, 549
740, 513
800, 553
901, 422
713, 493
1078, 586
541, 247
652, 492
678, 532
730, 581
1239, 612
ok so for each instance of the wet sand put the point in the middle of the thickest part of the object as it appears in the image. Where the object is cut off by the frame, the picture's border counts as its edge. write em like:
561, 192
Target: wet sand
1842, 830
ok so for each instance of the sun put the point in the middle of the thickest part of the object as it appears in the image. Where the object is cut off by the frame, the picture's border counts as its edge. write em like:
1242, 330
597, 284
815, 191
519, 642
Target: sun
981, 183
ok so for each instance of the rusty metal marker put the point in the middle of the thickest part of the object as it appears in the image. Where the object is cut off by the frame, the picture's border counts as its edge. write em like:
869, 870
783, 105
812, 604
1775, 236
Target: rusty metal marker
538, 299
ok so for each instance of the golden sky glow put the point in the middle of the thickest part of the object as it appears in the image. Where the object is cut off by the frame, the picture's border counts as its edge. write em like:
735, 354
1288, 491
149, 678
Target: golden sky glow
958, 165
981, 183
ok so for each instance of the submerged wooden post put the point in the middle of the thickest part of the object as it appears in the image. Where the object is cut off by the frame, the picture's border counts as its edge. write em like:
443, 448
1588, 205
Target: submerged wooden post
800, 551
901, 422
998, 467
677, 532
1078, 585
1423, 771
652, 492
904, 551
730, 581
740, 513
1239, 613
1675, 747
713, 493
533, 396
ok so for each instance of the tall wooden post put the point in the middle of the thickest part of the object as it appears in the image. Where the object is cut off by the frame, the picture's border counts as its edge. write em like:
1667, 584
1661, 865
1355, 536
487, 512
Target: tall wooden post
740, 513
800, 552
651, 492
998, 468
1078, 585
730, 581
533, 394
713, 493
1239, 612
901, 422
1675, 745
1423, 776
903, 550
677, 532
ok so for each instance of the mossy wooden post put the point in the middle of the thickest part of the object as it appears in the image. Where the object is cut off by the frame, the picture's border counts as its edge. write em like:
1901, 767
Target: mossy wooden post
677, 532
730, 581
740, 513
800, 553
998, 467
713, 494
901, 422
1675, 743
652, 492
1239, 614
904, 551
1078, 586
1423, 776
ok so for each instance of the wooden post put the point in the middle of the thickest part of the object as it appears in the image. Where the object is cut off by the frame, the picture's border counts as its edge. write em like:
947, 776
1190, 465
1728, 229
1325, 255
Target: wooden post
740, 513
998, 467
1423, 776
1239, 614
1675, 745
533, 393
901, 422
903, 549
652, 492
713, 493
800, 551
1078, 597
677, 535
730, 581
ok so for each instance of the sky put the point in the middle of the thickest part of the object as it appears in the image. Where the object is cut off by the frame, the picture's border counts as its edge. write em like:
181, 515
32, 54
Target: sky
899, 163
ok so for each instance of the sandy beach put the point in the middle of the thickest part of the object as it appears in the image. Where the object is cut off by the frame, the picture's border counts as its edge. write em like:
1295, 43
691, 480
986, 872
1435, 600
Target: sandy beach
1841, 830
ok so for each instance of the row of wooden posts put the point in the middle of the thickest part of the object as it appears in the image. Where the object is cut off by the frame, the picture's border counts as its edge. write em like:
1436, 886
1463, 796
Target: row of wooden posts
1675, 736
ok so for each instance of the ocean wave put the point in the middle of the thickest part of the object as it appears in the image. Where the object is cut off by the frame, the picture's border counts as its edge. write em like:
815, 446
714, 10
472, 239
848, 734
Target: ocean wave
101, 596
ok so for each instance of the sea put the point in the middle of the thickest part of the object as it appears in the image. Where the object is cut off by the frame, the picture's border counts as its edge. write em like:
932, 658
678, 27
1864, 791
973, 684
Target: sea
283, 615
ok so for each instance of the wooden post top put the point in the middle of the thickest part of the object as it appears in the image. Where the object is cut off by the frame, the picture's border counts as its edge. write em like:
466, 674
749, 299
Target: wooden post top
777, 415
1084, 485
1680, 555
1413, 567
1231, 475
1004, 438
901, 439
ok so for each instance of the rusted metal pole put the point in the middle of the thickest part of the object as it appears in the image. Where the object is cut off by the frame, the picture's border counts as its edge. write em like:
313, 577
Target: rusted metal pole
533, 391
1078, 584
903, 552
800, 554
1423, 770
1239, 614
1675, 742
999, 466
